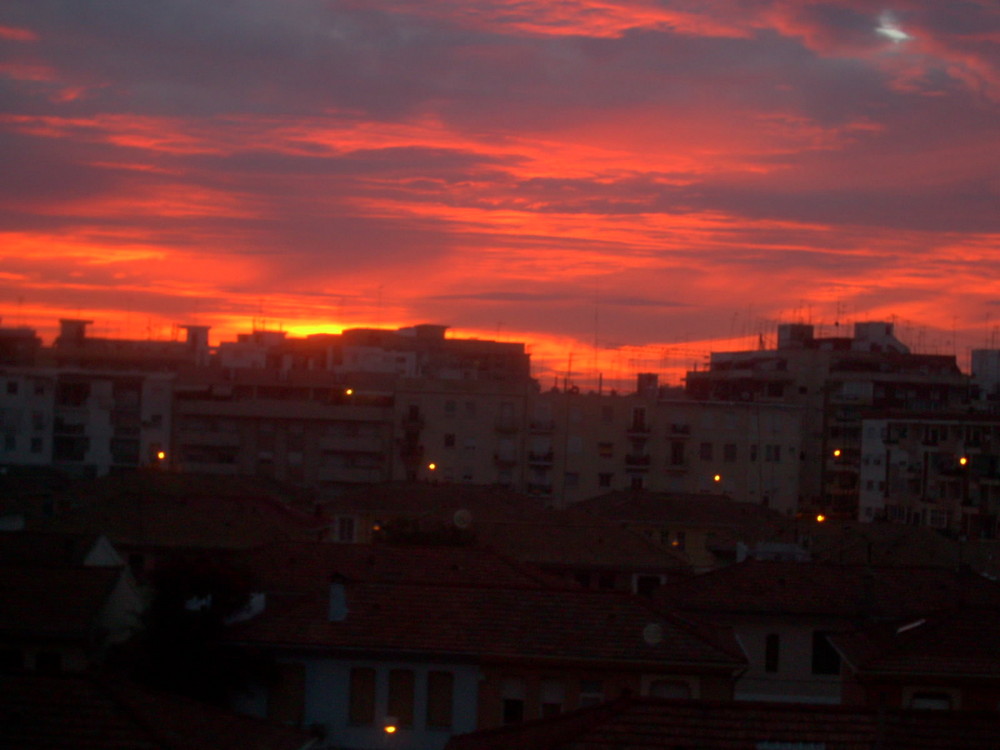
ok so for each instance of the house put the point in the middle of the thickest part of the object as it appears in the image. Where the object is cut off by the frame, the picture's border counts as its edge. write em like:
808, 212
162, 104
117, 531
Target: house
65, 602
632, 722
782, 613
705, 530
947, 659
476, 645
592, 551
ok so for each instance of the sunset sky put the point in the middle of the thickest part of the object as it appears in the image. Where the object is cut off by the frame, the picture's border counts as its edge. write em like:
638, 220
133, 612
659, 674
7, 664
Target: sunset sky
628, 184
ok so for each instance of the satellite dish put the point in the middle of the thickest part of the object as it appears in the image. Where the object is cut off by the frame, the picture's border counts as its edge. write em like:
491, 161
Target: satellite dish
652, 633
462, 518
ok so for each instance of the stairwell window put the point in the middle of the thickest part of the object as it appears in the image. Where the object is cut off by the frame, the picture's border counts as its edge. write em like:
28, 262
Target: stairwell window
400, 704
440, 697
772, 652
361, 709
513, 700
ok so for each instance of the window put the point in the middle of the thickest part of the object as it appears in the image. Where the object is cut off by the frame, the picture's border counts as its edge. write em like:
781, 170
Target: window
449, 440
729, 453
36, 445
37, 421
606, 450
753, 452
440, 689
677, 453
12, 387
10, 442
553, 695
680, 541
772, 452
607, 414
825, 659
400, 705
572, 480
669, 689
450, 408
513, 700
604, 479
636, 482
705, 451
345, 529
362, 698
934, 701
591, 692
772, 652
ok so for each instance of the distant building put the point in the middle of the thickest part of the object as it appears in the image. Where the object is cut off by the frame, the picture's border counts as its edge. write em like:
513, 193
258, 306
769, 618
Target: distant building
935, 469
835, 381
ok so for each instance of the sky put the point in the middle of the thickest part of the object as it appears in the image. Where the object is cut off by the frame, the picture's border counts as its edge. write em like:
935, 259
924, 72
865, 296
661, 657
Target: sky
621, 185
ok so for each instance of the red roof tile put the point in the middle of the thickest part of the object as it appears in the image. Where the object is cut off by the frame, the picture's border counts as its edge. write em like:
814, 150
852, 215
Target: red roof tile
632, 723
884, 592
504, 623
58, 712
53, 602
957, 642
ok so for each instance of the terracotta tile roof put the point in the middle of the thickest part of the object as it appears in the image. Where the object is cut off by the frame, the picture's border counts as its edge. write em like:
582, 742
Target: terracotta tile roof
882, 592
710, 511
43, 548
180, 511
566, 540
300, 566
514, 524
492, 623
632, 723
57, 712
53, 602
957, 642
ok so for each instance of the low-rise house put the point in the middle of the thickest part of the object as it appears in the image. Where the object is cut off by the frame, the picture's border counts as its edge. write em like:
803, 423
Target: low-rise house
65, 601
450, 654
949, 659
705, 530
783, 612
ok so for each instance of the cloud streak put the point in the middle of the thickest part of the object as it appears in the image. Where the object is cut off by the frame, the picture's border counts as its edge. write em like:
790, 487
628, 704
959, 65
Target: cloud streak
669, 167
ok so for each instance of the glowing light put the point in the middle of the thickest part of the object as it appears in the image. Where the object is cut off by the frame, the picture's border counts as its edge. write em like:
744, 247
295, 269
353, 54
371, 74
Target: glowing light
160, 455
717, 478
888, 28
836, 453
820, 518
432, 467
390, 729
963, 460
390, 725
349, 392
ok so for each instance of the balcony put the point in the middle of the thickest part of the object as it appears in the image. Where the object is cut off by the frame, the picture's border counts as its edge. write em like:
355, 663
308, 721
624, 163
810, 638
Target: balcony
504, 458
638, 461
540, 459
638, 430
542, 426
412, 422
680, 430
507, 425
539, 488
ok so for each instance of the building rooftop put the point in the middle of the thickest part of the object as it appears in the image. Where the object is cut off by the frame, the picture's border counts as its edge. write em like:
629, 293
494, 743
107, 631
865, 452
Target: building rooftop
476, 622
633, 722
878, 592
56, 712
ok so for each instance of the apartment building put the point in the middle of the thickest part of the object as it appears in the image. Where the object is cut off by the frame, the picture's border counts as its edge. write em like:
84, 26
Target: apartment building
583, 445
835, 381
937, 470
